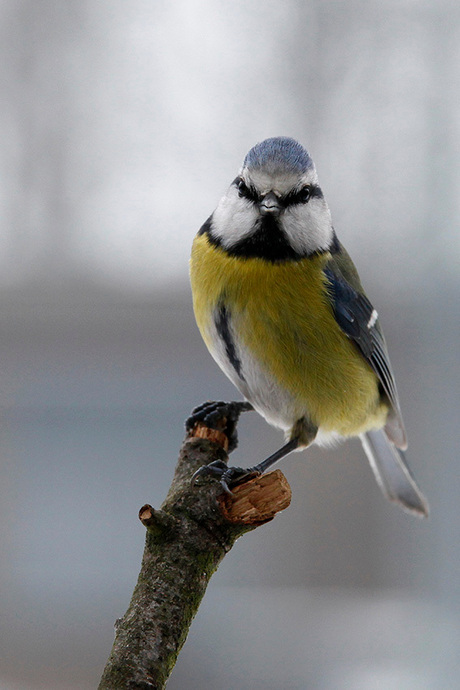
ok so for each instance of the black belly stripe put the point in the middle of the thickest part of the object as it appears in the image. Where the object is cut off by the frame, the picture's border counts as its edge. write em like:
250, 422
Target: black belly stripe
222, 321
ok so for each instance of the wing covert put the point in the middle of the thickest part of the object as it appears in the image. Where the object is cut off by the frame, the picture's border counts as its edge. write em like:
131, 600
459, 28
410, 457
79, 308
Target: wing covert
359, 321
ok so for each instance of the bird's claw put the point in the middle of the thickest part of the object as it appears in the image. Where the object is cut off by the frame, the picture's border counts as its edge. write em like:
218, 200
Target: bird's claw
228, 476
215, 469
219, 415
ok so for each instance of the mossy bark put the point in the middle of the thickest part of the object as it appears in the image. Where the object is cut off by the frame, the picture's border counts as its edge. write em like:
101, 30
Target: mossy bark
186, 540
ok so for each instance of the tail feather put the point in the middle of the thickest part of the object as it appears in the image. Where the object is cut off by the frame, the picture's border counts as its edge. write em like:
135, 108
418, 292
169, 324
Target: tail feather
392, 473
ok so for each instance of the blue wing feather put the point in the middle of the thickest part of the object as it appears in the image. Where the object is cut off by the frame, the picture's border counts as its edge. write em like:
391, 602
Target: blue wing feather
357, 318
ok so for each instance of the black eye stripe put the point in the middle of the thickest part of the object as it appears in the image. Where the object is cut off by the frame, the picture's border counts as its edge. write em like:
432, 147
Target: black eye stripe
245, 191
301, 196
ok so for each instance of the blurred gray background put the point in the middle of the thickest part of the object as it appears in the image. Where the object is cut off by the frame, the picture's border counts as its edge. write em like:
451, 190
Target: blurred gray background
122, 123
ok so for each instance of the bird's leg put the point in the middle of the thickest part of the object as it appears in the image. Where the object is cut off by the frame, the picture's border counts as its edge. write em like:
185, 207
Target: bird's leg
219, 415
288, 447
234, 475
303, 433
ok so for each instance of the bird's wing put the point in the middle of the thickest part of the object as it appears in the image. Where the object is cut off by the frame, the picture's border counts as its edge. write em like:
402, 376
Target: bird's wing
359, 321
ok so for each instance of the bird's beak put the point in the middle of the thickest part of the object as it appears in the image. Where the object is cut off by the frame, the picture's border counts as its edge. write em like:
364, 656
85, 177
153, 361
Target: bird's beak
269, 205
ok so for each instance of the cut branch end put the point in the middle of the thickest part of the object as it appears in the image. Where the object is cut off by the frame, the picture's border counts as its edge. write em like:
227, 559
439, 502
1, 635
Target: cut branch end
257, 500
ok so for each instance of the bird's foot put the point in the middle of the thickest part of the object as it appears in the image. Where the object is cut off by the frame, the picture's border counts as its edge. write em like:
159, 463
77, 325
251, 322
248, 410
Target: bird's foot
219, 415
228, 476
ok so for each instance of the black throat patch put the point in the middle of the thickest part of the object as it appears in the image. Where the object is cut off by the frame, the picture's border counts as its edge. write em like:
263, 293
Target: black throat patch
268, 242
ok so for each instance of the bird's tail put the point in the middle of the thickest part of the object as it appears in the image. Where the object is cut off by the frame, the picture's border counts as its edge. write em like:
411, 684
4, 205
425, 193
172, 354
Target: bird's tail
392, 473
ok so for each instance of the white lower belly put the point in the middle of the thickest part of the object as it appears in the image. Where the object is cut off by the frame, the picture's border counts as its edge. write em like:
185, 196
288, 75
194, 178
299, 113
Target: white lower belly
278, 407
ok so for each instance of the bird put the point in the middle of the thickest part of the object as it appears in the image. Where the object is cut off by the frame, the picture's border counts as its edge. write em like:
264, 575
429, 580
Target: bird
281, 308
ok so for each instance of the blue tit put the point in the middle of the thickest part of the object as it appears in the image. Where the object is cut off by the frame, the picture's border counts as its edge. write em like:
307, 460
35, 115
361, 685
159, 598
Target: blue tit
282, 310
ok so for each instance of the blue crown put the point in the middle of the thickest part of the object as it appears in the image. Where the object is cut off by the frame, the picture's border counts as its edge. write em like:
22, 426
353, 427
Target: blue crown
279, 153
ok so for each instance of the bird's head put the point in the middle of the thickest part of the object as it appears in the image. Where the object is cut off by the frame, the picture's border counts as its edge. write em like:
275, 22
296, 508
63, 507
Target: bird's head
274, 208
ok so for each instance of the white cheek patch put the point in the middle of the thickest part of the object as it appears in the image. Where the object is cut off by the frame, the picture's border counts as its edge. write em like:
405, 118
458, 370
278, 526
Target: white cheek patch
308, 227
233, 219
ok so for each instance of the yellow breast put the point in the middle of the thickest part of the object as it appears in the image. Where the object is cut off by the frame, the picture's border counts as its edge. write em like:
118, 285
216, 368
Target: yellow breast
281, 314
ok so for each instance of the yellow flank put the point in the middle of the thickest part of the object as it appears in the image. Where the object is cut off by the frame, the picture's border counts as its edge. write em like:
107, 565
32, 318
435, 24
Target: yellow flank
280, 312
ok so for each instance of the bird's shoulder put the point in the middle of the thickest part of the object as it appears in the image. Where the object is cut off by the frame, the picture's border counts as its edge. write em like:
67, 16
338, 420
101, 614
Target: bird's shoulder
341, 264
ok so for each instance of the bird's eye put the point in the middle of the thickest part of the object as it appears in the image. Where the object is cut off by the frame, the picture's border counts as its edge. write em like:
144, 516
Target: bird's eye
305, 194
242, 188
245, 191
300, 197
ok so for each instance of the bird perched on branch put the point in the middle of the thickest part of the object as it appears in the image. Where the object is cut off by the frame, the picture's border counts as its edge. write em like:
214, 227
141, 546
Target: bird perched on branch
282, 310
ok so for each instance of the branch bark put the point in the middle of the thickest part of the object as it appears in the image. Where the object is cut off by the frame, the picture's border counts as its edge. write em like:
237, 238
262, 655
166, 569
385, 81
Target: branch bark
186, 540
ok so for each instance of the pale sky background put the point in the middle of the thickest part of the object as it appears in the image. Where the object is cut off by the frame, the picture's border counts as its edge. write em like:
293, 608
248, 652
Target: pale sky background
127, 122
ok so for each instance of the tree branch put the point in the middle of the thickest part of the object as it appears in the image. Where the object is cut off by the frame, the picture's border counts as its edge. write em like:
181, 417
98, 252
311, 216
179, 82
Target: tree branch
186, 540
